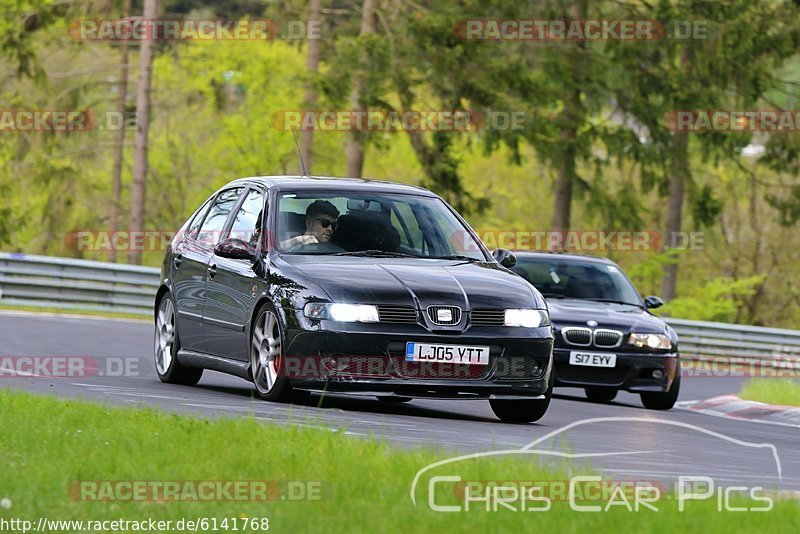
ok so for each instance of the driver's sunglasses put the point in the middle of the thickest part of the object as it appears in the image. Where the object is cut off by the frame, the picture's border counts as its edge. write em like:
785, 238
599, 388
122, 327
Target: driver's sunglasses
327, 223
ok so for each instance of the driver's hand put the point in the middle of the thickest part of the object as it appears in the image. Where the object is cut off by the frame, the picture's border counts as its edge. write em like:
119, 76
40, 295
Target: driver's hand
300, 241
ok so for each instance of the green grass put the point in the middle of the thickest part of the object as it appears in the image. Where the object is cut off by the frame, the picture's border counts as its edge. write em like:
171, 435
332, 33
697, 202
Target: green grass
88, 313
45, 443
784, 392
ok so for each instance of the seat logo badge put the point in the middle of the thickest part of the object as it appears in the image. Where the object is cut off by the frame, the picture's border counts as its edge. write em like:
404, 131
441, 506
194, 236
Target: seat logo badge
444, 316
591, 322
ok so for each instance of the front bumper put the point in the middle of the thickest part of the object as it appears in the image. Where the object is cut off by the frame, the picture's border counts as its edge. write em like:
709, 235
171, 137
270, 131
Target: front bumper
633, 371
373, 363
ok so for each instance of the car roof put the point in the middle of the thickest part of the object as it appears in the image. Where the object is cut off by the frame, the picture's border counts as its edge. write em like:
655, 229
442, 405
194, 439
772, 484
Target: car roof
562, 255
323, 183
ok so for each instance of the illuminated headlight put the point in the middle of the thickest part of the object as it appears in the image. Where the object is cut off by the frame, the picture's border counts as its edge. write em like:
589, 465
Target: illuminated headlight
527, 318
349, 313
650, 341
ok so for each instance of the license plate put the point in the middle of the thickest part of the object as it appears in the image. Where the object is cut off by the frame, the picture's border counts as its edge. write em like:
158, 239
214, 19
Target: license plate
592, 359
462, 354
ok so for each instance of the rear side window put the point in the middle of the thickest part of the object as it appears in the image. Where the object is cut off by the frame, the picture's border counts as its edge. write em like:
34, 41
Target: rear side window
248, 222
215, 220
191, 233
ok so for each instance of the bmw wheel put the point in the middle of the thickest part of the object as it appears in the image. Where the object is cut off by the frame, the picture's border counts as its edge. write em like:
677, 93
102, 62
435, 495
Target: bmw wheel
667, 399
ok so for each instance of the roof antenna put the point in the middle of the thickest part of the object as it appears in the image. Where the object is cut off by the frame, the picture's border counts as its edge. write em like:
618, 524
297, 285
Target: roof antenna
299, 153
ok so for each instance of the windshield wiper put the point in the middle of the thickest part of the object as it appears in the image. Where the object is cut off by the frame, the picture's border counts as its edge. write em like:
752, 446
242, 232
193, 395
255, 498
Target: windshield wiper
614, 301
453, 257
376, 254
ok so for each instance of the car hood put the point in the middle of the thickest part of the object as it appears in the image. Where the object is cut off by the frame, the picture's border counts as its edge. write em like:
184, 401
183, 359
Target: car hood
417, 282
624, 317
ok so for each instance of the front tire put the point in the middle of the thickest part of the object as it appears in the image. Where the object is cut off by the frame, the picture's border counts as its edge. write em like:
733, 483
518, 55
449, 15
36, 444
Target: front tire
266, 358
522, 411
166, 346
665, 400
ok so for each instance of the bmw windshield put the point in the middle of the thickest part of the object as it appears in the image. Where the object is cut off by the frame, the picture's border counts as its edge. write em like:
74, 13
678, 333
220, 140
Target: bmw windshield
558, 277
372, 224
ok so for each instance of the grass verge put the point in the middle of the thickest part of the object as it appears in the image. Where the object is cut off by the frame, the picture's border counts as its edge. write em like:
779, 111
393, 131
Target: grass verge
46, 444
87, 313
784, 392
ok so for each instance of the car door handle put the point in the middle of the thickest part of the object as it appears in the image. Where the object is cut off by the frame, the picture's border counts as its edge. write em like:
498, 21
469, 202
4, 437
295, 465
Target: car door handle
212, 270
177, 260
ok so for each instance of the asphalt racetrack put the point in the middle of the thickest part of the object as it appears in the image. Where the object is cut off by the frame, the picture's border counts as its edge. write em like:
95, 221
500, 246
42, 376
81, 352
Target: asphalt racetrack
622, 439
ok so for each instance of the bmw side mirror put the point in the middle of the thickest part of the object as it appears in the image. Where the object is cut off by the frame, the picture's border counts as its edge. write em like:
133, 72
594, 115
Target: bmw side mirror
505, 257
652, 302
235, 249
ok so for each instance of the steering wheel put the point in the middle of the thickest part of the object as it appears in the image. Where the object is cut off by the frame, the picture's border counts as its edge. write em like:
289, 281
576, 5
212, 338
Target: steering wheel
318, 247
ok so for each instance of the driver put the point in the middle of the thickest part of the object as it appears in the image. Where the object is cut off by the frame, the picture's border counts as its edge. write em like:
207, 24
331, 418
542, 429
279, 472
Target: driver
321, 218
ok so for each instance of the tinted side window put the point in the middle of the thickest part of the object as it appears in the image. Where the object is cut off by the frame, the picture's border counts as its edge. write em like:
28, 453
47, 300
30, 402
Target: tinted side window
247, 224
215, 221
191, 233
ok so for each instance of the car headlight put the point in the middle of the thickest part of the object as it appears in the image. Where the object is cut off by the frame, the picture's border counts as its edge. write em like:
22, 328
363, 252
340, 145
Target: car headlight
527, 318
349, 313
650, 341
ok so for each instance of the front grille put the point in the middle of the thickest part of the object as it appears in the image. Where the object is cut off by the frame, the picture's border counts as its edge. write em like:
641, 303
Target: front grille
577, 336
488, 317
397, 314
354, 364
435, 314
439, 371
519, 367
601, 376
607, 338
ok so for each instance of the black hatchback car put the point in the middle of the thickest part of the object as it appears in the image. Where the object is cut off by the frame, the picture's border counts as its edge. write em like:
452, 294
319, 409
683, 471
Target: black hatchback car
342, 285
605, 338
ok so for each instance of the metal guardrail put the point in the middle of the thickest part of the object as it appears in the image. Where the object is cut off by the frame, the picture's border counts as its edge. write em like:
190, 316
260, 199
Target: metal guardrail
69, 284
62, 283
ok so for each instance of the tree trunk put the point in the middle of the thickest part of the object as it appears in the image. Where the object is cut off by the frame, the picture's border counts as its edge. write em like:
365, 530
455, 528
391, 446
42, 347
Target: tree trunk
566, 168
356, 144
571, 117
139, 185
310, 97
119, 150
679, 174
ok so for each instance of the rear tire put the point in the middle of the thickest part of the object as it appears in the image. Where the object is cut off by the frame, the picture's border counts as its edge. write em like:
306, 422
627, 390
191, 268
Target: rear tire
522, 411
665, 400
167, 343
600, 394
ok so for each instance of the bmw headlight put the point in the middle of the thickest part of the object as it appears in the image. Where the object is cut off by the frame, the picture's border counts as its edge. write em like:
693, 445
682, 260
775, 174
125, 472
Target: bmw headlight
349, 313
650, 341
527, 318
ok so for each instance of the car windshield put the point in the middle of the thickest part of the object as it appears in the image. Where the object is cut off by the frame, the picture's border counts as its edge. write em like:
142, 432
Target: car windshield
568, 278
372, 224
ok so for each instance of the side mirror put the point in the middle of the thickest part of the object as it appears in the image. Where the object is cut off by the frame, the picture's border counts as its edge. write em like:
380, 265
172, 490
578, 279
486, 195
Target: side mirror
652, 302
235, 249
504, 257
